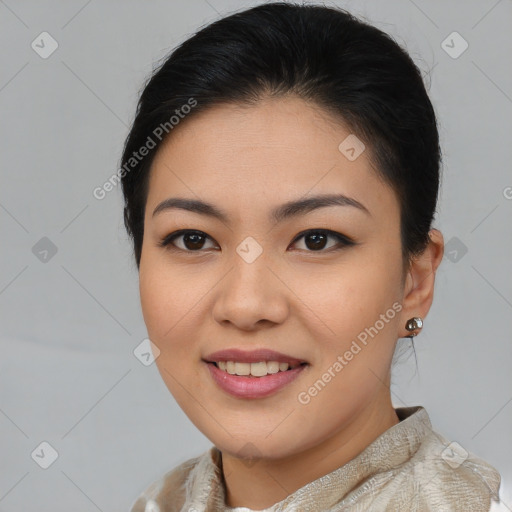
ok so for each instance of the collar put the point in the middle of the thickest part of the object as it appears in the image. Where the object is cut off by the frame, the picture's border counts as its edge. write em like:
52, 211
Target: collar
394, 447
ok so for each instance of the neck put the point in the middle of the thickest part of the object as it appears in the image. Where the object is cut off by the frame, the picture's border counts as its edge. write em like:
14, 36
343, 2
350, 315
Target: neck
267, 481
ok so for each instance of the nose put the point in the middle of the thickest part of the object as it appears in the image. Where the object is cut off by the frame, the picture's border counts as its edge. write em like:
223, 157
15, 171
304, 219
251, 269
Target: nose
251, 295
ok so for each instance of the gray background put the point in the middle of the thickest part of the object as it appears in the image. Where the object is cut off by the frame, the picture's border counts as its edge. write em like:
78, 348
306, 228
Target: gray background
70, 323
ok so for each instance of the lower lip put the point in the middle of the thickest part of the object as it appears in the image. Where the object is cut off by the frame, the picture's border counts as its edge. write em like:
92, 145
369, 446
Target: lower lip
253, 387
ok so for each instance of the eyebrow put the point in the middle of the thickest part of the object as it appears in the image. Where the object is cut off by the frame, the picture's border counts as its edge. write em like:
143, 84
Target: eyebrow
278, 214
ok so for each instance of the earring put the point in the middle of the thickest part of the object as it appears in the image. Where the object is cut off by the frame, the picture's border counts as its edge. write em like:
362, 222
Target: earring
414, 325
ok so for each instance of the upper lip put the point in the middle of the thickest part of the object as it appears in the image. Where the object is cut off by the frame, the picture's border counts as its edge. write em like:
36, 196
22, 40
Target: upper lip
251, 356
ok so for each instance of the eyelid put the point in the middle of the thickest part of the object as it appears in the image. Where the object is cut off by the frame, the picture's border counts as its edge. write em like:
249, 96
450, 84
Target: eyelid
343, 240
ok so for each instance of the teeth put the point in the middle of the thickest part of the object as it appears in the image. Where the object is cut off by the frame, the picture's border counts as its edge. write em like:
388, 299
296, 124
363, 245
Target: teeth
242, 368
272, 367
259, 369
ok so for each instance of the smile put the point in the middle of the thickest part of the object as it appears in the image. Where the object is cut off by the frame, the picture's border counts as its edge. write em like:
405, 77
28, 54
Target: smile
237, 379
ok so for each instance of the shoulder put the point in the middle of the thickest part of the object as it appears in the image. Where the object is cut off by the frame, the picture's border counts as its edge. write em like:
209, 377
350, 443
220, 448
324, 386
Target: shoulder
417, 470
168, 493
443, 476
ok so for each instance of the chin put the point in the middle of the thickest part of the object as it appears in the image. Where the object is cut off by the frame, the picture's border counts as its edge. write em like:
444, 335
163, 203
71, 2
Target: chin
258, 446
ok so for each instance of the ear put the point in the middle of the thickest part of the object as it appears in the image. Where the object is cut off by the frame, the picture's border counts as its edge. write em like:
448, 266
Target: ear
419, 282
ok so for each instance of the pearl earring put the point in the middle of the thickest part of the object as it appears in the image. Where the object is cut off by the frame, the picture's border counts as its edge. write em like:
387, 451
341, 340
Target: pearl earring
414, 325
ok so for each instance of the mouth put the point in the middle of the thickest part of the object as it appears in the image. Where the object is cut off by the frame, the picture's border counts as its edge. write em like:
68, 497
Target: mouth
253, 374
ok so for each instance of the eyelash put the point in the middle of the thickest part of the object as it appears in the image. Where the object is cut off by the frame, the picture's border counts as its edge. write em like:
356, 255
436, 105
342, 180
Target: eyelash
343, 241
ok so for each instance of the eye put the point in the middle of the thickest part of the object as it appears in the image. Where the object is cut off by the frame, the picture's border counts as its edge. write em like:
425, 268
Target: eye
315, 240
193, 240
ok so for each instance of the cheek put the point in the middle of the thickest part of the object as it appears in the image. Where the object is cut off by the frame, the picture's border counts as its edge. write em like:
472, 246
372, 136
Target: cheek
354, 297
171, 308
361, 309
166, 297
156, 309
354, 354
167, 315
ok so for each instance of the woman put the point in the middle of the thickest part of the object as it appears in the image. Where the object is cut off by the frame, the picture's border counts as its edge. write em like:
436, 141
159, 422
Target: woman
280, 182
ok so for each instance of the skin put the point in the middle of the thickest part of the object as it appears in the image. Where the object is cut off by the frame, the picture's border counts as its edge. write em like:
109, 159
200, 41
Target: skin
307, 303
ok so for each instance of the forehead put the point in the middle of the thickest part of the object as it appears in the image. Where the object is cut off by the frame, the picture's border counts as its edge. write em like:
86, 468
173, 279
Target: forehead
258, 156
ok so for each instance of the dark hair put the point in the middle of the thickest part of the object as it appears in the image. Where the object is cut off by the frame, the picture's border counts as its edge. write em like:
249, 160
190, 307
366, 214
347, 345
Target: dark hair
321, 54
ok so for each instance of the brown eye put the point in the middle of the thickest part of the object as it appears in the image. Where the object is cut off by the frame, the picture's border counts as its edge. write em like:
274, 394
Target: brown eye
191, 241
316, 240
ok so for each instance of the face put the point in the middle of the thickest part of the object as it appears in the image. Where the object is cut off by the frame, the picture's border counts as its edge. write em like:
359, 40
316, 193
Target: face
321, 284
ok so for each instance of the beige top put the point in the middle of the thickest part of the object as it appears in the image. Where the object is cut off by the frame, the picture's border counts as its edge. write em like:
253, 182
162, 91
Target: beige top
408, 468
